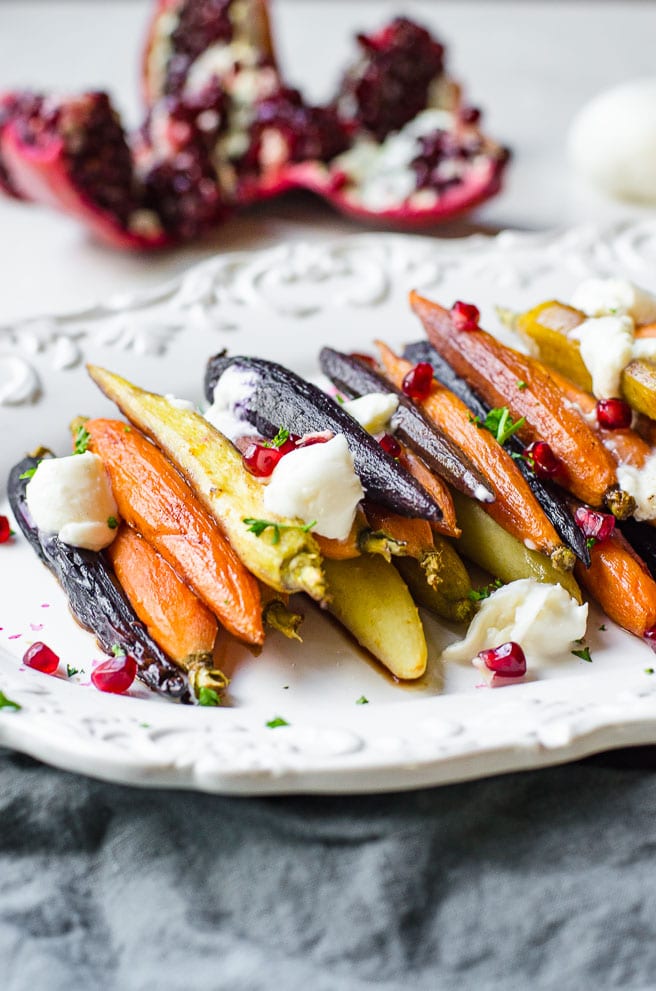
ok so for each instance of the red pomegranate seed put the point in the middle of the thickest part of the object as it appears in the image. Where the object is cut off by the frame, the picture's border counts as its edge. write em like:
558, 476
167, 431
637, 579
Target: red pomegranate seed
465, 315
290, 444
614, 414
650, 634
5, 530
261, 460
545, 462
390, 444
417, 383
41, 658
317, 438
595, 524
115, 675
507, 660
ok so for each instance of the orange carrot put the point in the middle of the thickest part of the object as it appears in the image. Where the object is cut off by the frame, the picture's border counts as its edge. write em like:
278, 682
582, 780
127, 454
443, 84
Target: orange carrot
175, 618
154, 499
620, 582
439, 490
515, 507
415, 535
495, 371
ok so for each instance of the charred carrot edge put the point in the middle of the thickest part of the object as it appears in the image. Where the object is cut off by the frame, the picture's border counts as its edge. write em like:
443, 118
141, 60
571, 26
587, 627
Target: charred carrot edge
515, 508
175, 618
496, 371
361, 540
414, 536
625, 446
620, 582
154, 499
448, 525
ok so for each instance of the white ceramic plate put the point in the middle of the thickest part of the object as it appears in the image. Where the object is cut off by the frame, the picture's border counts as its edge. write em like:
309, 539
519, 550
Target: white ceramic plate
284, 304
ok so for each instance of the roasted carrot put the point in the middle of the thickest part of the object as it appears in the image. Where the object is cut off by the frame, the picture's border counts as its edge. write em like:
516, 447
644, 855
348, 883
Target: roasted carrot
175, 618
362, 539
505, 377
439, 490
154, 499
515, 507
620, 582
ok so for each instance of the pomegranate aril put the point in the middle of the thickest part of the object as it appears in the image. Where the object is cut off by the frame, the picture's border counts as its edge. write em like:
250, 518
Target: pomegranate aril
595, 524
614, 414
544, 461
650, 635
40, 657
465, 315
261, 460
507, 660
115, 675
417, 383
321, 437
390, 444
5, 530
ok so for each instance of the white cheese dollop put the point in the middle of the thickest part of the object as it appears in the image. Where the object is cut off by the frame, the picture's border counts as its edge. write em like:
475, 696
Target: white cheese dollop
612, 141
606, 349
230, 392
73, 498
641, 484
317, 483
373, 411
616, 297
542, 618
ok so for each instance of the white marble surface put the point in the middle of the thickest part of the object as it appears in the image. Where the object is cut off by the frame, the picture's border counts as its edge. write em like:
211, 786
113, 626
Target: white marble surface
530, 64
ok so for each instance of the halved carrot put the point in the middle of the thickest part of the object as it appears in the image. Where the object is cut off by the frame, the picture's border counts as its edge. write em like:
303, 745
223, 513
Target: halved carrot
505, 377
360, 540
515, 507
439, 490
175, 618
154, 499
620, 582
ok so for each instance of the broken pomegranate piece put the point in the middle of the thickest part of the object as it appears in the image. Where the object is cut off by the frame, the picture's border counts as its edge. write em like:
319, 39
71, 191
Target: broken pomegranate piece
72, 154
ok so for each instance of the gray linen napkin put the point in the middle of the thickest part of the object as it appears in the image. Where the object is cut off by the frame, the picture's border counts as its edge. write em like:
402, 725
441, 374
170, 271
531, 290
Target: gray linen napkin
540, 880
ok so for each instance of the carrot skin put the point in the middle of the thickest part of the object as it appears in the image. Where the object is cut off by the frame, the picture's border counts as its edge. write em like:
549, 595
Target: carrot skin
620, 582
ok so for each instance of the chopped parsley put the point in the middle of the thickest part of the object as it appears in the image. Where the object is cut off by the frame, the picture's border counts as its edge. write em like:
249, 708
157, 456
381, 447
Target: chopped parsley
70, 670
363, 700
277, 721
6, 703
590, 542
208, 696
117, 650
476, 594
584, 654
649, 670
259, 526
603, 628
499, 422
112, 522
521, 384
29, 472
82, 438
279, 439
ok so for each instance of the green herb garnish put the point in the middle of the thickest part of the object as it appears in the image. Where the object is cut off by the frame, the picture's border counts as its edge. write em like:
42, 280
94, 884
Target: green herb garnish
603, 627
82, 438
584, 654
70, 670
29, 472
117, 650
277, 721
112, 522
521, 384
363, 700
476, 594
499, 422
6, 703
590, 542
208, 696
259, 526
649, 670
279, 439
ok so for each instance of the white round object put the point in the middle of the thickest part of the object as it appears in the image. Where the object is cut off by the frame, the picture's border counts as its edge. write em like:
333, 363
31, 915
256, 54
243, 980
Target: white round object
612, 141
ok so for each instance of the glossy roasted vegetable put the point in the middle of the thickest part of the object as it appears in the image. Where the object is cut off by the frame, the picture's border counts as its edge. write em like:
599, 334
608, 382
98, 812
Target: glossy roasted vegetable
153, 498
505, 377
448, 595
274, 397
515, 507
284, 555
620, 582
489, 546
552, 500
368, 596
354, 377
95, 599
